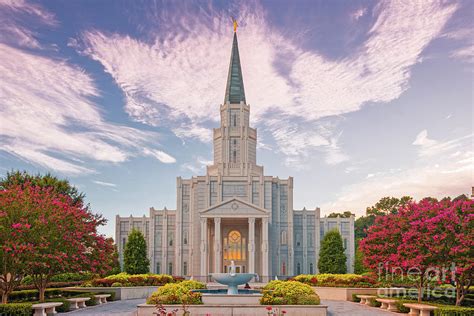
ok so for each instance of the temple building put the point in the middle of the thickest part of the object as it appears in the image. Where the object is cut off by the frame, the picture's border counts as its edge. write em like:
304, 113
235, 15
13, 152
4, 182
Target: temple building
235, 212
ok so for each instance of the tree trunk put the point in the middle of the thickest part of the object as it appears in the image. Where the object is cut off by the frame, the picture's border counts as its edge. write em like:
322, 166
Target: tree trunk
41, 293
4, 297
420, 289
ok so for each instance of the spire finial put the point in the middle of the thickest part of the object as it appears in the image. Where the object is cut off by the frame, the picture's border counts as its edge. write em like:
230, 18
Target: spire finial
234, 21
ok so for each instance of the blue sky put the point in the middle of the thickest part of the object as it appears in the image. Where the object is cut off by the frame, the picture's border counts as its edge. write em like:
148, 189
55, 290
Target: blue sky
355, 99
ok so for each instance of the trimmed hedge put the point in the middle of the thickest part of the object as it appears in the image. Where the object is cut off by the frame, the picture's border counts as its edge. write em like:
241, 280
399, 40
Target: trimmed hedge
16, 309
32, 295
288, 293
50, 285
454, 311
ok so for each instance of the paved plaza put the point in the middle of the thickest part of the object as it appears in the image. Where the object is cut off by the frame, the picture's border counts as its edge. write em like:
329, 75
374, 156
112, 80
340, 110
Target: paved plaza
129, 307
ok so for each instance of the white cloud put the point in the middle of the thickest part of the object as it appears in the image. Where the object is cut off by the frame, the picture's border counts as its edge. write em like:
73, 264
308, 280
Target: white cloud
448, 173
105, 184
423, 140
180, 76
198, 166
160, 155
48, 118
356, 15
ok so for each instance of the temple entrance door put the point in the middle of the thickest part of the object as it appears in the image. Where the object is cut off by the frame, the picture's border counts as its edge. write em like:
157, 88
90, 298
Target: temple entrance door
234, 249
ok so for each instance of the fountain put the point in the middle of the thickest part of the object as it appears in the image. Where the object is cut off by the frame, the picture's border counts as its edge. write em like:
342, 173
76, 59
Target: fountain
232, 279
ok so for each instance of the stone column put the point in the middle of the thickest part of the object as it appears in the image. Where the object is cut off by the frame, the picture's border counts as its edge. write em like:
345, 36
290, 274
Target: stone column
217, 245
265, 272
203, 249
251, 245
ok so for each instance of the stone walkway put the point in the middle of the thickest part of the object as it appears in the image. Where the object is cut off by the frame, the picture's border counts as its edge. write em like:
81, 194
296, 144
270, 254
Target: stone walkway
117, 308
129, 308
340, 308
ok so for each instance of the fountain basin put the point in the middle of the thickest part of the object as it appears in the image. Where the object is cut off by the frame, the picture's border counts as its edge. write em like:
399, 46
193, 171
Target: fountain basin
220, 297
232, 280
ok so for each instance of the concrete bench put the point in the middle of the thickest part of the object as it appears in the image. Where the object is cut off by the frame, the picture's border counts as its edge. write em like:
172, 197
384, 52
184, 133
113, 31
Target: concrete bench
101, 298
365, 299
45, 309
78, 302
387, 304
419, 309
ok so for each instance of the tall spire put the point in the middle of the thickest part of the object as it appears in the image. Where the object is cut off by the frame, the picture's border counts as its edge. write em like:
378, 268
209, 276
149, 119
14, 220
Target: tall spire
234, 92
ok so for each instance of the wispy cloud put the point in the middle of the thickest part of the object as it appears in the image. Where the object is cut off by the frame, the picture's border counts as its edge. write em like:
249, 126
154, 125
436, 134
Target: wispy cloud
179, 76
105, 184
47, 113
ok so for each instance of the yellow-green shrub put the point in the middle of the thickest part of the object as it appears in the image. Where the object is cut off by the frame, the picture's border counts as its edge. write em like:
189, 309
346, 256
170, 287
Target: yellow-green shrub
288, 293
193, 285
325, 279
174, 293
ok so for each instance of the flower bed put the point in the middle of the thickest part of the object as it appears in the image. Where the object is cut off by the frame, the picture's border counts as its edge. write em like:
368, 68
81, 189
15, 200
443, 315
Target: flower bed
338, 280
124, 280
288, 293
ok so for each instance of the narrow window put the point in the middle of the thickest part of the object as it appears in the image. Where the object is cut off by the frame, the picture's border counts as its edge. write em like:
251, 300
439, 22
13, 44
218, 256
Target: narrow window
170, 268
234, 156
311, 268
283, 268
158, 268
298, 268
185, 268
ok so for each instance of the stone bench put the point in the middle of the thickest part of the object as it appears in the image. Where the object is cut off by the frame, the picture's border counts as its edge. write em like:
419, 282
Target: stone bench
78, 302
387, 304
101, 298
364, 299
45, 309
419, 309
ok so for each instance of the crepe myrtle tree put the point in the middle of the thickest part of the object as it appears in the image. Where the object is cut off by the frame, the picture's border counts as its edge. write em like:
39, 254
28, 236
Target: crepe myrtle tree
428, 239
135, 260
48, 233
332, 258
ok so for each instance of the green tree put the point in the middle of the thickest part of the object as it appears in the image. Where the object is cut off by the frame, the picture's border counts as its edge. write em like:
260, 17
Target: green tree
362, 224
388, 205
332, 258
359, 266
346, 214
60, 186
135, 260
114, 258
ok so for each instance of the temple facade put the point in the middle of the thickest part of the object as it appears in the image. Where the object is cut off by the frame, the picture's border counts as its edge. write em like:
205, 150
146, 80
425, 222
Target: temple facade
235, 212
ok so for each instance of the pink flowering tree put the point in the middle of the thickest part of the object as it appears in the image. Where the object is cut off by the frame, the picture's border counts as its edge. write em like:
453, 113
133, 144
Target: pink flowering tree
14, 249
52, 234
425, 239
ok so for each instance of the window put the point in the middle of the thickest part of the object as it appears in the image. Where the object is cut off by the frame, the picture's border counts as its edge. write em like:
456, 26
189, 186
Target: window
234, 156
170, 239
311, 268
310, 240
185, 237
185, 268
298, 268
298, 240
158, 268
283, 268
345, 243
170, 268
124, 241
284, 239
235, 247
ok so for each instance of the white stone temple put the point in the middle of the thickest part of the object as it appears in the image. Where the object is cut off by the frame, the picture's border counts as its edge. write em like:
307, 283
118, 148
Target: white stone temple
235, 212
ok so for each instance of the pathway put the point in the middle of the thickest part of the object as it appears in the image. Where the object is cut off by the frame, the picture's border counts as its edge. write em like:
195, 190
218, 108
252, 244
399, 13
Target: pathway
129, 307
342, 308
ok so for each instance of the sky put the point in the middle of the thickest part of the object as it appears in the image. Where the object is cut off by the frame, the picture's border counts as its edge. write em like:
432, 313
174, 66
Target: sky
356, 100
